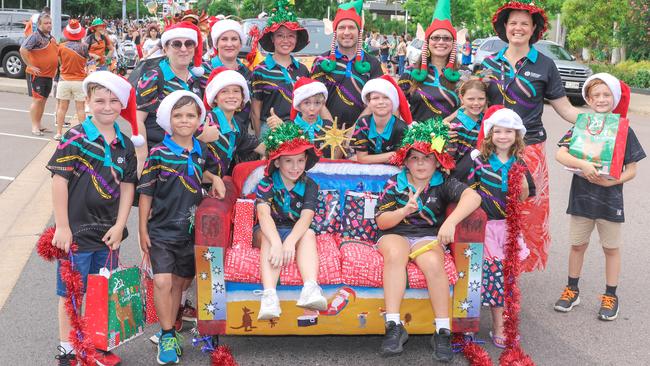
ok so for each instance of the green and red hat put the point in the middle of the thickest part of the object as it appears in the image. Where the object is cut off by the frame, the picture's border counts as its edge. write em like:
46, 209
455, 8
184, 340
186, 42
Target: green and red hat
539, 18
349, 11
289, 139
283, 15
428, 137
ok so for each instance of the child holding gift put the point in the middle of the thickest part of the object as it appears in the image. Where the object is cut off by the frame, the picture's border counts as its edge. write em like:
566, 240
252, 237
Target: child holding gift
286, 201
502, 147
597, 201
411, 214
377, 136
86, 212
170, 189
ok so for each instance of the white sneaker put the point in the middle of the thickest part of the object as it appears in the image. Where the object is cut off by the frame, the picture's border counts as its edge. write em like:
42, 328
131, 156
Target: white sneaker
311, 297
269, 305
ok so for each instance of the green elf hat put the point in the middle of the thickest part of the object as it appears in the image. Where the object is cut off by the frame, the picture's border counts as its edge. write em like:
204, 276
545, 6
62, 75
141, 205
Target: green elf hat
283, 14
538, 14
349, 11
97, 22
428, 137
288, 139
441, 20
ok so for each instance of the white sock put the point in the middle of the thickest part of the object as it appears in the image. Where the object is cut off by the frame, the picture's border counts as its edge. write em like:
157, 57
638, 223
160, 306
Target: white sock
67, 347
393, 317
184, 297
442, 323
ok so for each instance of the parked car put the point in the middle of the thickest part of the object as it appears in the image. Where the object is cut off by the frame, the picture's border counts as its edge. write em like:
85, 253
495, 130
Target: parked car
573, 73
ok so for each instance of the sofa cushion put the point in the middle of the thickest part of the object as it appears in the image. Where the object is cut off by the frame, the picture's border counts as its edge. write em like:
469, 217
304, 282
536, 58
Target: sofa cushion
361, 264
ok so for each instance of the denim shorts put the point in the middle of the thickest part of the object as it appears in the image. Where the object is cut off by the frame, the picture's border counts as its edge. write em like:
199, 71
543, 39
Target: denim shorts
283, 231
86, 263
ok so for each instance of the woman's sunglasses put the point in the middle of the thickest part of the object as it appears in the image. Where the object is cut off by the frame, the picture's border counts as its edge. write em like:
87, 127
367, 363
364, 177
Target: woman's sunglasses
177, 45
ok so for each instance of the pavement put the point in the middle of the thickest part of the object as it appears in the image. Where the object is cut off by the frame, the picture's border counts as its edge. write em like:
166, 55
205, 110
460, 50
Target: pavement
28, 302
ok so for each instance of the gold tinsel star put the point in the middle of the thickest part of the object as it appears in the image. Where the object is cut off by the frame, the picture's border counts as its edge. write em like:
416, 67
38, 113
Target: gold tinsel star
335, 137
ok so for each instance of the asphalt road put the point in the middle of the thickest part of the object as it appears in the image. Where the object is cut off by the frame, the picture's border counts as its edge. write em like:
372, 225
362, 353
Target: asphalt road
29, 324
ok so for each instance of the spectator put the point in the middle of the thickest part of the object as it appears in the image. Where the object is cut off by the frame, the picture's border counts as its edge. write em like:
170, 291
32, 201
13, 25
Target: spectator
401, 55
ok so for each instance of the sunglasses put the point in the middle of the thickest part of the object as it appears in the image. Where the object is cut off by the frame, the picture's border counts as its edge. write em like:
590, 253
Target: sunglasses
177, 45
445, 39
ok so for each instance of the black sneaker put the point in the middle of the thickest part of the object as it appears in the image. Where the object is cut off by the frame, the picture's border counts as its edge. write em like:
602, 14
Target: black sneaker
570, 298
64, 358
608, 307
441, 342
394, 340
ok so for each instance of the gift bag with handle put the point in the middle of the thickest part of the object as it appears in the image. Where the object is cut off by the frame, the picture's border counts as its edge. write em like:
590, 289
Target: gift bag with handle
326, 218
150, 315
358, 217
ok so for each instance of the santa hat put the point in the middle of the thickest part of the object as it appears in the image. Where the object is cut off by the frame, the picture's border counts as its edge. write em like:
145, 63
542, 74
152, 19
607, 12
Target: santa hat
538, 14
499, 115
190, 31
349, 11
441, 20
387, 86
222, 26
74, 31
225, 78
288, 139
619, 89
305, 88
164, 112
283, 15
428, 137
124, 92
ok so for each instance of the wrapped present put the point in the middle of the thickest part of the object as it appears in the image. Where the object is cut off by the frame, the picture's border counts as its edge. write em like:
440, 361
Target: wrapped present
327, 215
243, 223
601, 139
358, 216
361, 264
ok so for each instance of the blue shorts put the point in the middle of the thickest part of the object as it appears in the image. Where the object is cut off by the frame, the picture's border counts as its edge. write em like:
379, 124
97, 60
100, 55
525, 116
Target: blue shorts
283, 231
86, 263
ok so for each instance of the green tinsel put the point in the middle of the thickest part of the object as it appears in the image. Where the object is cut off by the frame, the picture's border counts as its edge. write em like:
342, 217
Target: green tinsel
283, 11
283, 133
424, 131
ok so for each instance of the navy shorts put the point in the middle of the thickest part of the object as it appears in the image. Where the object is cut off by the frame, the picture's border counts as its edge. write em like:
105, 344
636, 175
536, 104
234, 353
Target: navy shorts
283, 231
38, 87
86, 263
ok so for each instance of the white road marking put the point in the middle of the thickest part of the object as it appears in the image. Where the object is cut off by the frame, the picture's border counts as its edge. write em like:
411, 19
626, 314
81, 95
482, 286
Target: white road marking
27, 111
2, 177
24, 136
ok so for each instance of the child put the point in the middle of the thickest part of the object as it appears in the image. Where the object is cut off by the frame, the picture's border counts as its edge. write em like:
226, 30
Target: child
286, 200
86, 212
596, 201
411, 214
502, 147
376, 136
226, 93
170, 191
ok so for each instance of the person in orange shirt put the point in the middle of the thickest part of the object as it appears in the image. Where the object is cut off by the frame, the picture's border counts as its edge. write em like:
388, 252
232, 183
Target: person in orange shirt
100, 47
73, 55
39, 51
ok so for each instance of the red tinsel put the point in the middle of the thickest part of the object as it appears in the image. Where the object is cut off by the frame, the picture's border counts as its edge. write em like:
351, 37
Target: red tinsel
475, 354
223, 357
46, 250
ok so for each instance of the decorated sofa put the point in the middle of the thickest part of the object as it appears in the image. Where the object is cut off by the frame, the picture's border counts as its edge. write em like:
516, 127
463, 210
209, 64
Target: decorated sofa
227, 266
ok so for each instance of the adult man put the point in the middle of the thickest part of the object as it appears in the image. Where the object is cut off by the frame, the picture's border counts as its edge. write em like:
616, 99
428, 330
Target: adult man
39, 51
346, 68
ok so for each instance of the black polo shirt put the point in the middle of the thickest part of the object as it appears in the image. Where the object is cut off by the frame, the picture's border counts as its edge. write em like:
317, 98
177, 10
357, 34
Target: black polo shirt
344, 85
94, 169
172, 176
231, 140
315, 130
432, 203
243, 116
153, 87
597, 202
467, 137
366, 138
430, 99
286, 205
489, 178
273, 85
523, 88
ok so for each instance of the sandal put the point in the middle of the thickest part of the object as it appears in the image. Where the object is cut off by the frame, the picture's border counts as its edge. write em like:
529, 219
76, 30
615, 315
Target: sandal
57, 137
498, 342
45, 130
37, 133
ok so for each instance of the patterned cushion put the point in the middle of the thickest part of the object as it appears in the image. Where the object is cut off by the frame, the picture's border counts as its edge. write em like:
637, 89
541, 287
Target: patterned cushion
361, 264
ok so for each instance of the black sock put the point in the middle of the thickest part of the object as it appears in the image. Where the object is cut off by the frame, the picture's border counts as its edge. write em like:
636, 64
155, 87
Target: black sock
573, 282
169, 331
610, 290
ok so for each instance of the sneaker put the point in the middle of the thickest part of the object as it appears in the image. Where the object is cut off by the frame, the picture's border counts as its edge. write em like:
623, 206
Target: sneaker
311, 297
107, 358
608, 307
269, 306
441, 342
156, 337
178, 325
64, 358
570, 298
189, 312
168, 350
394, 340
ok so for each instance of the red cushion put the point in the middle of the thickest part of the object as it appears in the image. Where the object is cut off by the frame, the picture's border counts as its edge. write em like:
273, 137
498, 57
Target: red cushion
361, 264
242, 264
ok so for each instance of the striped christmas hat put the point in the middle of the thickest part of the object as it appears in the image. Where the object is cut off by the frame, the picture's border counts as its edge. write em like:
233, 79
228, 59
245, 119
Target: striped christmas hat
348, 11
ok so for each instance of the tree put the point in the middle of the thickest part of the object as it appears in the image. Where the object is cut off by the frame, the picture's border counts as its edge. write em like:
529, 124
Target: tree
223, 7
635, 30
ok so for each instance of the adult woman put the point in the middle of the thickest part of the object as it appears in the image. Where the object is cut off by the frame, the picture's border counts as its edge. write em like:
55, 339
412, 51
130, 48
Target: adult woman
401, 55
274, 77
430, 86
152, 47
523, 88
100, 47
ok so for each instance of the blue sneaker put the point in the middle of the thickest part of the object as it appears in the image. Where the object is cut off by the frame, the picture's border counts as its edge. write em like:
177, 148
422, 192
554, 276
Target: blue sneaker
168, 350
156, 337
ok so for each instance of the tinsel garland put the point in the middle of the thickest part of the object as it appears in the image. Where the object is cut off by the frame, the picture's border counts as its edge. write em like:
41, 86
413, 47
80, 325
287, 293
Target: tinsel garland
282, 12
79, 338
423, 131
222, 357
285, 132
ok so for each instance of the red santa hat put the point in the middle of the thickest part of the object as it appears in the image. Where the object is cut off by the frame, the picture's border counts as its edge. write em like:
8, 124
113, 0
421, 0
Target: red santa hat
225, 78
305, 88
124, 92
499, 115
620, 91
222, 26
190, 31
164, 113
387, 86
